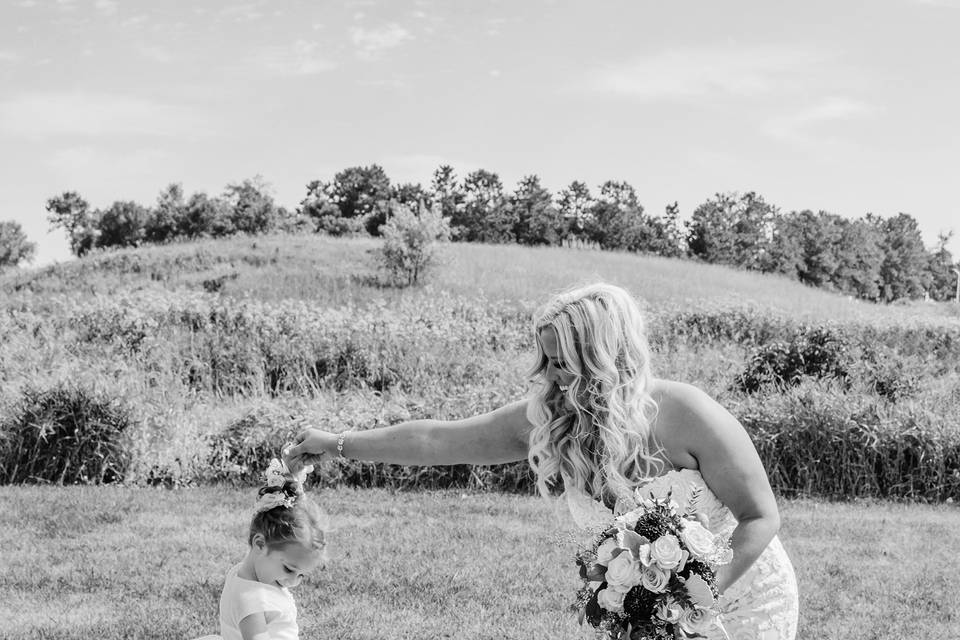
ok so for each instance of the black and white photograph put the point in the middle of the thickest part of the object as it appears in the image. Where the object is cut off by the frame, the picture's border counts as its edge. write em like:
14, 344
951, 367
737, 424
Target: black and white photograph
482, 320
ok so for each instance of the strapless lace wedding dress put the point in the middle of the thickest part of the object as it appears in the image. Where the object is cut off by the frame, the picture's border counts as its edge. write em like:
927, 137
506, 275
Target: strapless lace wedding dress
763, 603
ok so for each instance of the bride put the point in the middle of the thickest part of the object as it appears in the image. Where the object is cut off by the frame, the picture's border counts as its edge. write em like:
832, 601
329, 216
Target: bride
600, 426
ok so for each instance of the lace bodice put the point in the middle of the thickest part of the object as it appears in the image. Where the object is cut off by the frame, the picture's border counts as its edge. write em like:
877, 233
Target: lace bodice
763, 603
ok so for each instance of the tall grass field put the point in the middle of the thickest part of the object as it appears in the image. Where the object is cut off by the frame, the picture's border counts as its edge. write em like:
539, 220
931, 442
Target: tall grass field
160, 381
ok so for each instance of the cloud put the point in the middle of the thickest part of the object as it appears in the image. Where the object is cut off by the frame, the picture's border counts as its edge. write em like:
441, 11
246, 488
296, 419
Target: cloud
155, 53
244, 12
83, 114
797, 128
106, 7
297, 59
693, 73
371, 42
949, 4
9, 56
98, 161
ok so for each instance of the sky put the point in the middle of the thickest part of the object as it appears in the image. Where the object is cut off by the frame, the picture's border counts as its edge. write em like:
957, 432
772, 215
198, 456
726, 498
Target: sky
848, 107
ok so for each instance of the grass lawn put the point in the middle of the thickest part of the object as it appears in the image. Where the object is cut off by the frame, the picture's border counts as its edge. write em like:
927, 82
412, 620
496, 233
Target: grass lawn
113, 562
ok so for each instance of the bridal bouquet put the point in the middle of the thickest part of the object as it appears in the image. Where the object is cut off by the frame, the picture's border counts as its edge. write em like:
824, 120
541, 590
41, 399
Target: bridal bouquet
650, 575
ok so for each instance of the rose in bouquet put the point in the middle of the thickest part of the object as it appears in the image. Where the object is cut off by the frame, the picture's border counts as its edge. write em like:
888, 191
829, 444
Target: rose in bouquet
651, 574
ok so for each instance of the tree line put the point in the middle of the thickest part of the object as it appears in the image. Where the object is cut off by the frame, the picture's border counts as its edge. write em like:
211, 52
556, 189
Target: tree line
871, 257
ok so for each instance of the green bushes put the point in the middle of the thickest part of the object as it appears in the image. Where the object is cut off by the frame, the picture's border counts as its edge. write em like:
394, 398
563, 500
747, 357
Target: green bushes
241, 452
193, 363
813, 352
818, 441
410, 243
64, 434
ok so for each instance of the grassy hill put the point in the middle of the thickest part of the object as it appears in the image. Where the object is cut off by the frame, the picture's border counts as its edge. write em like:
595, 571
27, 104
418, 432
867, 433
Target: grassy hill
335, 272
199, 359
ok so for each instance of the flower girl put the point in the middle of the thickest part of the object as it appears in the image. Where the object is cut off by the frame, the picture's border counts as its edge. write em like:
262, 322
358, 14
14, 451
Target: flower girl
286, 541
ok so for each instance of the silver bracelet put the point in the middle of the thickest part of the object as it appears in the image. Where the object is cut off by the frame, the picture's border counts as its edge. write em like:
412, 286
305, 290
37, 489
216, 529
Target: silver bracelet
340, 440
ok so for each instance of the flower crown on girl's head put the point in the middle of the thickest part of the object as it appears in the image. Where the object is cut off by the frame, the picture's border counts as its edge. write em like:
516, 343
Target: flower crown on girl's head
282, 486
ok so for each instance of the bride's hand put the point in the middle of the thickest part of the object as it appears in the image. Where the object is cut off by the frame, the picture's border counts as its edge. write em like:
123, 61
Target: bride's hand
309, 447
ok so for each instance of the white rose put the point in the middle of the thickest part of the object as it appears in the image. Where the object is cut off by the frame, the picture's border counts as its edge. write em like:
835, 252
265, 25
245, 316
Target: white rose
666, 551
654, 579
696, 621
610, 599
698, 540
668, 609
605, 551
623, 572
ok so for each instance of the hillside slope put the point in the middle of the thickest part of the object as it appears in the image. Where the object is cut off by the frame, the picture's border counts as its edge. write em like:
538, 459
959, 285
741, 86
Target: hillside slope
332, 272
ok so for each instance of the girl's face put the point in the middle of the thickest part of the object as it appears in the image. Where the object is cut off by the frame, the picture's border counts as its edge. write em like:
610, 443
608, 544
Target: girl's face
555, 371
284, 566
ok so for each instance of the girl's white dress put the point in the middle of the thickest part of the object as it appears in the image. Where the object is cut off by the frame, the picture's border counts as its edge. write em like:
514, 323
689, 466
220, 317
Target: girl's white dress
242, 597
763, 603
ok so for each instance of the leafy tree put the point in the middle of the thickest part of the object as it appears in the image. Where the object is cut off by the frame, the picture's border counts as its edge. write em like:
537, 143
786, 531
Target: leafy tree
667, 236
364, 193
253, 209
410, 242
14, 246
164, 221
576, 206
538, 220
808, 246
70, 212
124, 224
732, 229
412, 195
785, 253
858, 270
943, 279
205, 216
324, 213
487, 215
904, 268
447, 192
616, 219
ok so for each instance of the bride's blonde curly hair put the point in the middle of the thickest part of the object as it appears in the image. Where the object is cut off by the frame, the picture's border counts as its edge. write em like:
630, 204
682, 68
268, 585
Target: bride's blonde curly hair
596, 436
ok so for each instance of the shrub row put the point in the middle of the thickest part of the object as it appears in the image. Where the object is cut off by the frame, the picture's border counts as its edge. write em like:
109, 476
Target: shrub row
824, 443
933, 340
814, 441
227, 347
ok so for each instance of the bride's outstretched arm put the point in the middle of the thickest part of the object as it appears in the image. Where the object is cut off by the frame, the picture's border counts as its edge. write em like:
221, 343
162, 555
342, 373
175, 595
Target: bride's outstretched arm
490, 438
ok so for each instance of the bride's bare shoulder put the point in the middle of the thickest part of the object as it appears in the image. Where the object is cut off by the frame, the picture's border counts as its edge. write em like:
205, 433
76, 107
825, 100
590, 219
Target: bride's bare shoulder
678, 398
683, 412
